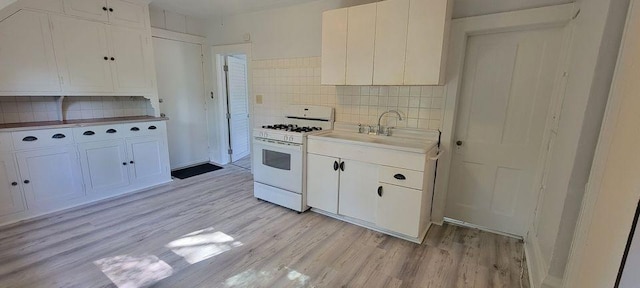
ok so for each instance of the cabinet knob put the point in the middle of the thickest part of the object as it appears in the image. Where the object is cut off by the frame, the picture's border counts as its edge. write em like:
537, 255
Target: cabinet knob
342, 166
335, 165
113, 58
459, 143
380, 191
124, 163
14, 183
110, 9
131, 162
106, 58
27, 181
104, 8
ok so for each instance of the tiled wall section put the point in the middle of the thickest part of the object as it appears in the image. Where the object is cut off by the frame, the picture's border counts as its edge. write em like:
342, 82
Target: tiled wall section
30, 109
281, 82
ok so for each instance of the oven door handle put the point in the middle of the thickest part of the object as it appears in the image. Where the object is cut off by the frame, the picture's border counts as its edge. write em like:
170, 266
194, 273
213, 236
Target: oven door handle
292, 147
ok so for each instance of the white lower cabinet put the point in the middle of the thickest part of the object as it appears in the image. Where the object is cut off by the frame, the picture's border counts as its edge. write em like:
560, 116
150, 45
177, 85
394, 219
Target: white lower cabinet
147, 159
398, 209
104, 165
52, 169
384, 193
357, 197
12, 199
322, 186
50, 176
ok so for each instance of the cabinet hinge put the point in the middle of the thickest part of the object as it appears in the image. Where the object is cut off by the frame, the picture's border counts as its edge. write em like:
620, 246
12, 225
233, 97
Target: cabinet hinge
228, 116
226, 68
230, 151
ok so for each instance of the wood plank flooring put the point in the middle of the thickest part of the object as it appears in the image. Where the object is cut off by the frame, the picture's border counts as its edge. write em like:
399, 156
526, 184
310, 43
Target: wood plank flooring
209, 231
244, 162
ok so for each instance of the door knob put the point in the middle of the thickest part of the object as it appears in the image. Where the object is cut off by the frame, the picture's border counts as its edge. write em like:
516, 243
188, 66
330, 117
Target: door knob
459, 143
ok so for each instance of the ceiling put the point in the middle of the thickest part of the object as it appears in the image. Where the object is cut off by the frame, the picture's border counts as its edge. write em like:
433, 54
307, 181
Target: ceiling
209, 8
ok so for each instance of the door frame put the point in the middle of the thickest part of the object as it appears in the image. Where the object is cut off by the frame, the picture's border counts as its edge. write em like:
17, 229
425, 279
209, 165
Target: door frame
461, 30
218, 100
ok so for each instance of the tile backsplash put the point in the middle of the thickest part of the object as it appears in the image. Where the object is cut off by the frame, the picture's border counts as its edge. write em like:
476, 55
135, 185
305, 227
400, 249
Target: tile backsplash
280, 82
30, 109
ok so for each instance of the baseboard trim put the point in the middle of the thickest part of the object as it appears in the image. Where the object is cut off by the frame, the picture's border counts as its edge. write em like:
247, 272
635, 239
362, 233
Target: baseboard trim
482, 228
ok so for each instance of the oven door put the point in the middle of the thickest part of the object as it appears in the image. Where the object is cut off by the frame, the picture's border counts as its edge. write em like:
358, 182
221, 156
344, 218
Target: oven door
278, 164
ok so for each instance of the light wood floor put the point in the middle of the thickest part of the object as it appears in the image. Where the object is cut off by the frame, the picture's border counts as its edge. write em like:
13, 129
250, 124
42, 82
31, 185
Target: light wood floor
245, 162
234, 240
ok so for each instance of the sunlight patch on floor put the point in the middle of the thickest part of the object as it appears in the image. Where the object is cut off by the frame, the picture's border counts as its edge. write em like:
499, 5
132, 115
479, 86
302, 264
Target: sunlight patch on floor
127, 271
253, 278
203, 244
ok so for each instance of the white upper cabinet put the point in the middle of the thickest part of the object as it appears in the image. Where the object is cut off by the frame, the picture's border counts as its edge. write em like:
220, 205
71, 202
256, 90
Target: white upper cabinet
391, 42
361, 31
90, 9
83, 55
126, 13
132, 66
27, 59
427, 39
116, 12
334, 47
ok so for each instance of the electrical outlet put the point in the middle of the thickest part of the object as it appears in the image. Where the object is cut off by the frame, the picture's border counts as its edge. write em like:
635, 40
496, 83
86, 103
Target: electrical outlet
258, 99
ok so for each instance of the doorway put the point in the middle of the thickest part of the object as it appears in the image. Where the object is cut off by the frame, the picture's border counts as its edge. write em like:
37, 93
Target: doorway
237, 109
508, 82
232, 104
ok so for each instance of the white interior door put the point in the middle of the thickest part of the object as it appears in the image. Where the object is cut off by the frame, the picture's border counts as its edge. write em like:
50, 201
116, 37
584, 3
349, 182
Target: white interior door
180, 80
238, 106
506, 92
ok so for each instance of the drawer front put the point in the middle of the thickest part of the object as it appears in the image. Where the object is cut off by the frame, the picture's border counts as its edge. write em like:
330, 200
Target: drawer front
143, 128
98, 133
42, 138
401, 177
6, 143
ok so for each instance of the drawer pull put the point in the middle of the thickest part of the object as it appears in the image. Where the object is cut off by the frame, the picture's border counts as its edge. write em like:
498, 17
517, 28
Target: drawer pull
153, 127
342, 166
29, 139
335, 165
58, 136
111, 131
399, 177
88, 133
135, 129
380, 191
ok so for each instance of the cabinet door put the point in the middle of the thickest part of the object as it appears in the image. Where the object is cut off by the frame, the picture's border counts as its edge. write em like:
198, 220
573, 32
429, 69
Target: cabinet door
147, 159
27, 60
322, 182
11, 198
334, 47
126, 13
91, 9
81, 50
427, 39
104, 165
399, 209
51, 177
361, 30
391, 42
358, 190
131, 68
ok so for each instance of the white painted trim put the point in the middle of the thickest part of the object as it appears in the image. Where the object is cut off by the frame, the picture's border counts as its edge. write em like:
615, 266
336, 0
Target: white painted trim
538, 268
595, 197
481, 228
177, 36
219, 104
461, 29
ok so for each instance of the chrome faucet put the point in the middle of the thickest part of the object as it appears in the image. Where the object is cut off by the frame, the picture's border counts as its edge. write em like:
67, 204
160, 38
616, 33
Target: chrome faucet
380, 130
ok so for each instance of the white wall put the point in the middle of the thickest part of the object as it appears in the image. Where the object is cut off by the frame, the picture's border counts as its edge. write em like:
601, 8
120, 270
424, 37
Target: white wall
630, 276
595, 48
176, 22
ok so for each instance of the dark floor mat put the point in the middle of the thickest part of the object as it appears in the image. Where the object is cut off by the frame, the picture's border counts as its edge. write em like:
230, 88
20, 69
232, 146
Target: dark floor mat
194, 171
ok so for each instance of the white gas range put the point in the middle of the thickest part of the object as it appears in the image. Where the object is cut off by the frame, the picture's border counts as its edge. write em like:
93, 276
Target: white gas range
280, 155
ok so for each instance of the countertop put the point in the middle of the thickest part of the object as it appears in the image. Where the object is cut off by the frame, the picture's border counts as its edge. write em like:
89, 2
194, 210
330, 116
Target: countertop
11, 127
